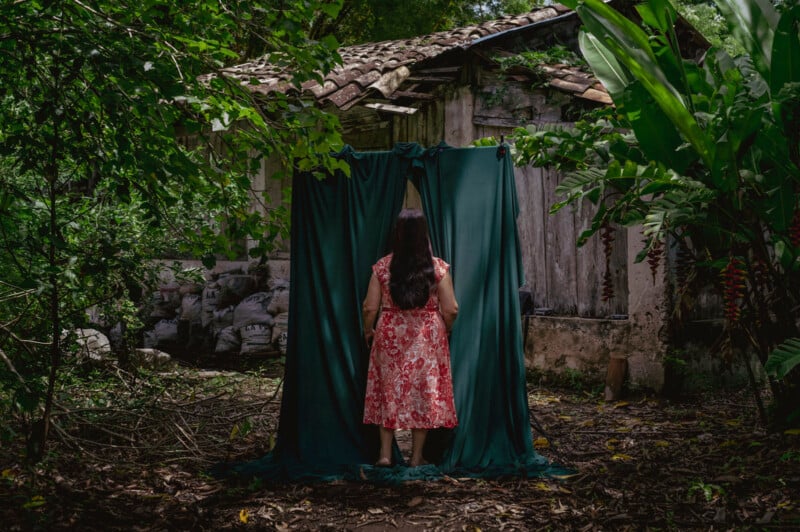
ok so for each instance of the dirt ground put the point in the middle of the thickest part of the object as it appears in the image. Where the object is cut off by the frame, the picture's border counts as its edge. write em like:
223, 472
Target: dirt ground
130, 454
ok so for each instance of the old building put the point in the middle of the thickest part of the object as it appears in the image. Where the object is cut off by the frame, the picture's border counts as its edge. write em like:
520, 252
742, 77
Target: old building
453, 86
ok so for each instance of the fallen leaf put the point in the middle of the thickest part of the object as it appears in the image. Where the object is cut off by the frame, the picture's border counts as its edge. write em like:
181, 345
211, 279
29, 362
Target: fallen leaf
541, 486
621, 457
243, 515
792, 432
35, 502
541, 443
621, 404
416, 501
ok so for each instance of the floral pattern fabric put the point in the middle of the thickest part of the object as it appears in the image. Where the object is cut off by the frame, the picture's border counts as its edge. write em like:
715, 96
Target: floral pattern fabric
409, 383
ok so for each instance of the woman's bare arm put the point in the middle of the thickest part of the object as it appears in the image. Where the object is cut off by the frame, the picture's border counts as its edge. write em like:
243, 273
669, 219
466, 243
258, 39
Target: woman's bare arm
372, 303
448, 305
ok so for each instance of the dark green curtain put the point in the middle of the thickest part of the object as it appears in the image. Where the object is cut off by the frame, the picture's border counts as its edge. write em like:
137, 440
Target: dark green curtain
340, 226
469, 197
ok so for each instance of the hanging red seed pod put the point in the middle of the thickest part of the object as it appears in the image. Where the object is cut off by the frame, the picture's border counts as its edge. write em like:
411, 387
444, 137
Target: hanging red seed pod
733, 288
654, 255
607, 238
608, 286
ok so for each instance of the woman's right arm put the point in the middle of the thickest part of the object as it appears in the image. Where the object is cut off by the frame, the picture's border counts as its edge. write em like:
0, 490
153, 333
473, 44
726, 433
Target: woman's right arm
448, 305
369, 310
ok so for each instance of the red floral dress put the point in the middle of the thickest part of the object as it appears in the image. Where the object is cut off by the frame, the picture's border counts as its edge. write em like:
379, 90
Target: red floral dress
409, 385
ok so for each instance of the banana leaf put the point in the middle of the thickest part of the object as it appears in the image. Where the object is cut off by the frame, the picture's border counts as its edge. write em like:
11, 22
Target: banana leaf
753, 23
783, 359
786, 45
631, 47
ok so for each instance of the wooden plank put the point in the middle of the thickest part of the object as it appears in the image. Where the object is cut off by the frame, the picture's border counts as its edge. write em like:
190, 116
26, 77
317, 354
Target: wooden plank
531, 225
458, 128
440, 70
590, 266
498, 122
560, 241
617, 367
396, 95
390, 108
429, 79
619, 271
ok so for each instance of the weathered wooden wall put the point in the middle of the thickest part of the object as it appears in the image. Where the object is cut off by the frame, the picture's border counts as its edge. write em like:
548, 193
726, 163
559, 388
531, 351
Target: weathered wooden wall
561, 277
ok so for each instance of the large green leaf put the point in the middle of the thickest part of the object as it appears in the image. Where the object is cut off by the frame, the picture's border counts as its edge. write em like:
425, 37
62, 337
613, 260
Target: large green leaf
611, 73
658, 138
784, 358
631, 46
786, 45
753, 23
659, 14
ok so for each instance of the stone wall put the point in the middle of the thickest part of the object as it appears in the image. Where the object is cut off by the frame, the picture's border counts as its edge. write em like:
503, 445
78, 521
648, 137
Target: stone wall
554, 343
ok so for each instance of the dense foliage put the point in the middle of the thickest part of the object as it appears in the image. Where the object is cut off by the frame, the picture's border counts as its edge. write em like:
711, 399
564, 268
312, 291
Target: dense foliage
119, 142
705, 155
379, 20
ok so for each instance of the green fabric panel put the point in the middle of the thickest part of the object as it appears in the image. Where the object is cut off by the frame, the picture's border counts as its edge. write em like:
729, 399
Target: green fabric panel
340, 228
469, 197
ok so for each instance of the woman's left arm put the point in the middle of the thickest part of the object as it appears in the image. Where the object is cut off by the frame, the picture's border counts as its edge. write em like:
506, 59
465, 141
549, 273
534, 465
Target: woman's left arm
369, 310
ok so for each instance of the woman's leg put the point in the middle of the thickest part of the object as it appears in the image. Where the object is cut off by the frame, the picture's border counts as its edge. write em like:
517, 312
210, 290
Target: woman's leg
417, 443
387, 438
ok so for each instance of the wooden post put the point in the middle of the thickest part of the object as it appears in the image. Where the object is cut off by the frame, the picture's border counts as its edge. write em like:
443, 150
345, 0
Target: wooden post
617, 366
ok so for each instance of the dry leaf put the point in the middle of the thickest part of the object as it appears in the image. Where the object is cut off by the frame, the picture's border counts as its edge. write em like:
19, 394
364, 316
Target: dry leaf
541, 486
416, 501
244, 515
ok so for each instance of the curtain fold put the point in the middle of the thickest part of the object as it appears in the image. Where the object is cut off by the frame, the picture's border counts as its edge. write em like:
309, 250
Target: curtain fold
340, 227
469, 194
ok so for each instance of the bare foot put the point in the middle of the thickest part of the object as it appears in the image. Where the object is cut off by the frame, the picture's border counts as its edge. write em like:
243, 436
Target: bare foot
383, 462
417, 463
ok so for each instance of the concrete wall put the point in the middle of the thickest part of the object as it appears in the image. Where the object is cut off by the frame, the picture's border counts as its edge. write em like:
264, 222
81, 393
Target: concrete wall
554, 343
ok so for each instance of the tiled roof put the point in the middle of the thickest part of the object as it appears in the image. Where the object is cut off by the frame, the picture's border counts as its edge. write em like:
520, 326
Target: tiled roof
397, 69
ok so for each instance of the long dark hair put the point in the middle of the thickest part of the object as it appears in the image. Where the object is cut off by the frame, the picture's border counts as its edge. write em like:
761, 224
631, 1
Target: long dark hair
411, 275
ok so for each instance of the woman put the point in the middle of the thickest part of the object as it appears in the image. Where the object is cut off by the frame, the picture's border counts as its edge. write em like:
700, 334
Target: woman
409, 385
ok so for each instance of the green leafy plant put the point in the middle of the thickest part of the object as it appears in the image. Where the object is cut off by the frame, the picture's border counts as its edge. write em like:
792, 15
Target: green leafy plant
708, 491
704, 155
784, 358
122, 137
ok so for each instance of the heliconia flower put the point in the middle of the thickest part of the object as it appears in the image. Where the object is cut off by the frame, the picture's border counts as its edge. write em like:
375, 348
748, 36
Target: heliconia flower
733, 281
